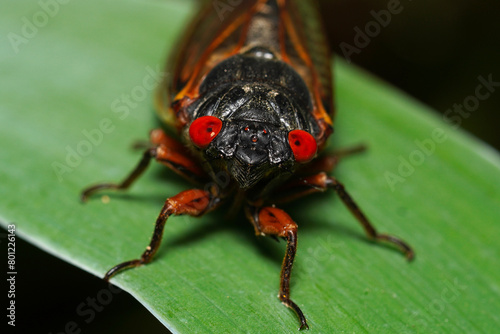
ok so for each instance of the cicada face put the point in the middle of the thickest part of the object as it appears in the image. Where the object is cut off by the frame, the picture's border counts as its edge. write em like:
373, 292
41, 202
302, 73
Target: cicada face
252, 119
251, 92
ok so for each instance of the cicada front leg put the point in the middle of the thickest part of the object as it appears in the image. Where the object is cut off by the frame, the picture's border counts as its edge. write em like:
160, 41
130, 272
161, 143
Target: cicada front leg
277, 223
166, 151
192, 202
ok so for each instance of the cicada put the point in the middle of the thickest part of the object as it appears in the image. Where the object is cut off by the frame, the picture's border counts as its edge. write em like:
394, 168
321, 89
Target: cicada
251, 101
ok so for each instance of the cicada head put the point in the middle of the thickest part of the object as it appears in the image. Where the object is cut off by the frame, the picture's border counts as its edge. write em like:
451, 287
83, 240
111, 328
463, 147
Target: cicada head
254, 130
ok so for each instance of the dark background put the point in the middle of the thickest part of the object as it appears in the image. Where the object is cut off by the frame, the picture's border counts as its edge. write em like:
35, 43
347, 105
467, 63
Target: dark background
433, 50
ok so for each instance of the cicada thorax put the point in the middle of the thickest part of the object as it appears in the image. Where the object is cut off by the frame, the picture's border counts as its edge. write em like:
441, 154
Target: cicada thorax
253, 70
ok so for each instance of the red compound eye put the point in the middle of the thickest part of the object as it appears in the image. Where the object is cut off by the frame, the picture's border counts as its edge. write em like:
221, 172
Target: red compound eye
204, 129
303, 145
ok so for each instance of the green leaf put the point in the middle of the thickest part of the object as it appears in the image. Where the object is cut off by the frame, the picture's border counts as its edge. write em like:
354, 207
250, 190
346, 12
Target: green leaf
86, 71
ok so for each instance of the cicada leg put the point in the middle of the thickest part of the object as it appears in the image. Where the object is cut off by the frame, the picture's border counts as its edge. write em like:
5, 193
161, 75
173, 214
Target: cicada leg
328, 162
167, 151
321, 182
276, 222
192, 202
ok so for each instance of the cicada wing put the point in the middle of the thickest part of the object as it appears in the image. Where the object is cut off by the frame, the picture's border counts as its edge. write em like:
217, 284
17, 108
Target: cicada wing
305, 47
215, 33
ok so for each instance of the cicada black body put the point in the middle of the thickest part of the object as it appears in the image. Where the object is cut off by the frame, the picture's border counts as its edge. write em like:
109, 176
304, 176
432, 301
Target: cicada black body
251, 99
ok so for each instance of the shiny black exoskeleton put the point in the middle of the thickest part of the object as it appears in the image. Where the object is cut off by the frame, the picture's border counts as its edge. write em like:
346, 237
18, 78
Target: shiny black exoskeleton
259, 100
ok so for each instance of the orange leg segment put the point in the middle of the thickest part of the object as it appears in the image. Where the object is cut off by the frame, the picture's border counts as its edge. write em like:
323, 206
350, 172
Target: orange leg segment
276, 222
168, 152
321, 182
193, 202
